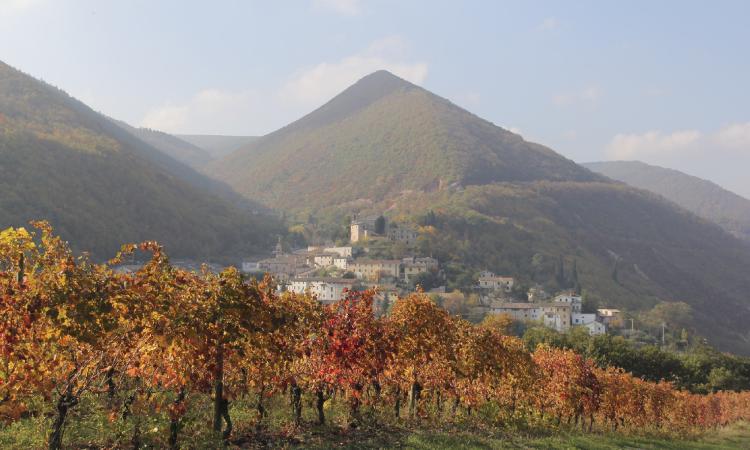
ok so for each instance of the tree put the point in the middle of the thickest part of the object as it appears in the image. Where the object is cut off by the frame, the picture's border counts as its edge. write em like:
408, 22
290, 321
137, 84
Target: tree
502, 323
424, 338
380, 225
574, 283
560, 273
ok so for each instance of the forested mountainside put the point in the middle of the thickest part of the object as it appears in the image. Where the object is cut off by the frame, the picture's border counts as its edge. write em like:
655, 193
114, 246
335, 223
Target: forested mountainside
101, 186
380, 137
702, 197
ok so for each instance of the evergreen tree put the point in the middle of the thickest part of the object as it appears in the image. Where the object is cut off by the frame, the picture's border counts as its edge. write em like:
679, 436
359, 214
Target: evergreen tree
560, 276
380, 225
574, 283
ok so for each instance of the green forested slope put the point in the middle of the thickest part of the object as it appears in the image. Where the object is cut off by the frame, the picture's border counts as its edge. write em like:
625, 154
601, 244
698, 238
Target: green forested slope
380, 137
100, 186
632, 249
702, 197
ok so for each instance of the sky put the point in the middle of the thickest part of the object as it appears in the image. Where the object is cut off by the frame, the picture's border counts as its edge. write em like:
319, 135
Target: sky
662, 82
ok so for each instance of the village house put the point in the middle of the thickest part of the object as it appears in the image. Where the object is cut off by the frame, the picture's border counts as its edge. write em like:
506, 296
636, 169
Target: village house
324, 259
496, 283
283, 267
596, 328
341, 262
411, 267
403, 233
572, 299
610, 317
553, 315
344, 252
581, 319
376, 269
325, 290
537, 294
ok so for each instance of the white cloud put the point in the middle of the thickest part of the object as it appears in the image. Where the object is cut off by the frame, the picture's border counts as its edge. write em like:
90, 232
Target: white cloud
657, 144
735, 136
314, 85
721, 155
343, 7
550, 23
587, 96
634, 146
262, 111
208, 111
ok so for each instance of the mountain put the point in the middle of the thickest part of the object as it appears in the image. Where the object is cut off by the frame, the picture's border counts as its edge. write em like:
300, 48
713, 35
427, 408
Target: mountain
382, 136
170, 145
216, 146
100, 186
702, 197
486, 199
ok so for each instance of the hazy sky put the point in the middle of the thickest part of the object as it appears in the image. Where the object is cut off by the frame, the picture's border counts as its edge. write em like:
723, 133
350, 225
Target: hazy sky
663, 82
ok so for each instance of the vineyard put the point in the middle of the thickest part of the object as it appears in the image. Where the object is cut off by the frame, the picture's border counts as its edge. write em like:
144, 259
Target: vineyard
167, 353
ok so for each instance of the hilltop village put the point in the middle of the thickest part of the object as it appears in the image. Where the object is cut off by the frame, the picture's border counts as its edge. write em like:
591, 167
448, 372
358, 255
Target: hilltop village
328, 272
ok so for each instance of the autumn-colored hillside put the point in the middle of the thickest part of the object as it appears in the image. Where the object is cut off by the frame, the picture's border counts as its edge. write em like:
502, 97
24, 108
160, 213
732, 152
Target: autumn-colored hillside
101, 186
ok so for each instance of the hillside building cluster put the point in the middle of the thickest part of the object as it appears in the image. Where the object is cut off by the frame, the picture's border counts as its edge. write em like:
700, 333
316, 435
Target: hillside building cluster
328, 272
560, 313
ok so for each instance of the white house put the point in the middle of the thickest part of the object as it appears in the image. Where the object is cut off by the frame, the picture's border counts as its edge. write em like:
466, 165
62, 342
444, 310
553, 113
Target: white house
582, 319
596, 328
589, 321
325, 290
574, 300
553, 315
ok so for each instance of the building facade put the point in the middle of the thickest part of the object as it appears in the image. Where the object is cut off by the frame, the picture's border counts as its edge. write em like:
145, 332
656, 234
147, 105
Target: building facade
495, 283
411, 267
553, 315
572, 299
325, 290
404, 234
376, 269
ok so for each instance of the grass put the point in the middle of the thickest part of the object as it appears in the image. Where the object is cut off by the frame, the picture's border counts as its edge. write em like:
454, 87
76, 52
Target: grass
90, 427
736, 436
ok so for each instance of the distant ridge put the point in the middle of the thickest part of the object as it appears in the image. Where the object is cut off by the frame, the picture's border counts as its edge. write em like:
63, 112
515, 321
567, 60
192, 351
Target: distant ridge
216, 146
170, 145
702, 197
